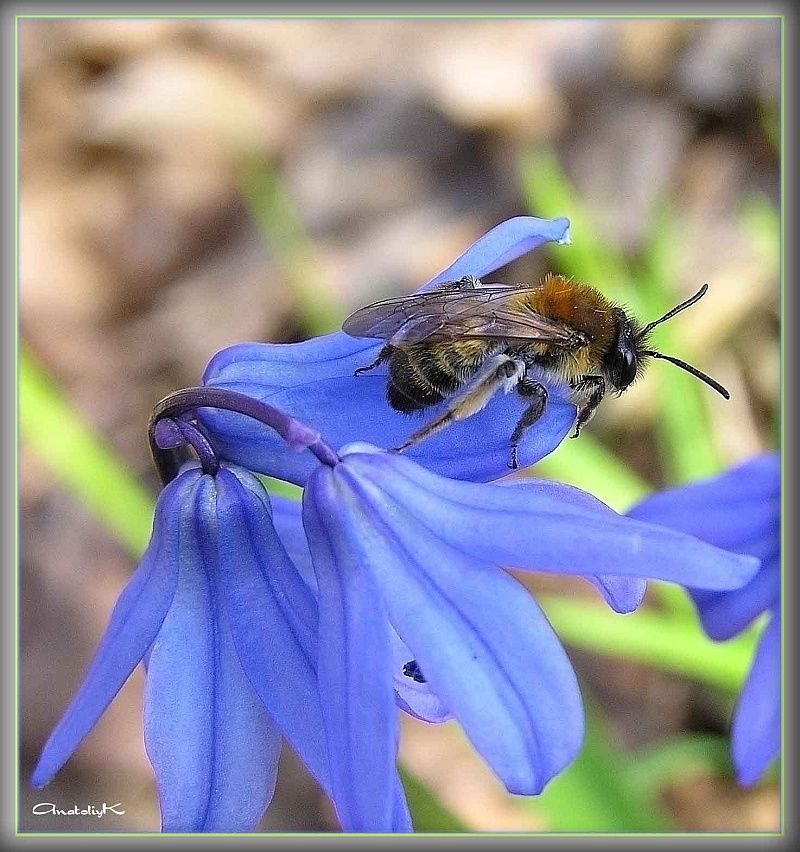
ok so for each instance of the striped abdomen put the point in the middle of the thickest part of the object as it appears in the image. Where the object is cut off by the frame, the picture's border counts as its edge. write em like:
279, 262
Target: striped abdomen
424, 374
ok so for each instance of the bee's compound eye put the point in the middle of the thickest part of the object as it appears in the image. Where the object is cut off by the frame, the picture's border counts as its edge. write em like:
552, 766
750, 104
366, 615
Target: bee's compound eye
626, 368
630, 360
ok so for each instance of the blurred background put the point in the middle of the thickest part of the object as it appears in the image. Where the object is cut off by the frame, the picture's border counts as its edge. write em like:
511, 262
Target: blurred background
189, 184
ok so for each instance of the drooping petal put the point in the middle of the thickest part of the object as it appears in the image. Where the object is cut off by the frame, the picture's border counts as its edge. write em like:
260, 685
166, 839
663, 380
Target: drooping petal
134, 623
272, 615
213, 747
401, 814
354, 668
314, 382
738, 511
480, 640
542, 526
414, 698
756, 730
724, 614
622, 594
287, 518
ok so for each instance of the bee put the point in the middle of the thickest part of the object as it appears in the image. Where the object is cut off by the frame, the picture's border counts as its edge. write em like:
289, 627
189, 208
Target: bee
465, 340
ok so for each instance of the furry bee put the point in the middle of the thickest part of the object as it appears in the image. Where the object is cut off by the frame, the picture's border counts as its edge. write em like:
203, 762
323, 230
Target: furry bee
465, 340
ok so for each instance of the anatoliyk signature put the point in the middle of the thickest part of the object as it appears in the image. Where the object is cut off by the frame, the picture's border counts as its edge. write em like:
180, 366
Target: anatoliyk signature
42, 808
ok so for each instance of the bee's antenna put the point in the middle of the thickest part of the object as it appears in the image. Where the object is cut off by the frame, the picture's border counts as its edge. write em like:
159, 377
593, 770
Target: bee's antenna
689, 368
676, 310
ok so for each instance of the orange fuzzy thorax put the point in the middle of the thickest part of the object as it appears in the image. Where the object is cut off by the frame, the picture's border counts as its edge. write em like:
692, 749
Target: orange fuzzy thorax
577, 305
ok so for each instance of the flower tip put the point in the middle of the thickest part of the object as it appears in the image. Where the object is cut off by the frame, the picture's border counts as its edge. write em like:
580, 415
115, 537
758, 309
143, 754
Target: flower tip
39, 778
746, 776
565, 239
167, 434
751, 565
528, 785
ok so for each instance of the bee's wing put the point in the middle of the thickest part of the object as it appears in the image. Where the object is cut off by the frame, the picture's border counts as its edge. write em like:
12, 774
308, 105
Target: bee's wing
448, 315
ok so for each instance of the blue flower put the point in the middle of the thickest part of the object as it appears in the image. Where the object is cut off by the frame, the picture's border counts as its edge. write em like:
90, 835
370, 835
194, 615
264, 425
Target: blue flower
314, 382
228, 631
399, 550
408, 606
739, 511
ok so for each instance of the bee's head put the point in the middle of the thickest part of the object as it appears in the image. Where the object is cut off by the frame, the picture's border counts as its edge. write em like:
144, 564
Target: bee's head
626, 358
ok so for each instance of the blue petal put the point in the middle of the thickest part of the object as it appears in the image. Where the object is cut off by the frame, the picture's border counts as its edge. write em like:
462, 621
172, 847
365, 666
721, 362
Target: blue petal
544, 526
414, 698
314, 382
213, 747
401, 815
738, 511
724, 614
503, 244
354, 665
134, 623
347, 407
273, 616
622, 594
756, 730
287, 518
480, 640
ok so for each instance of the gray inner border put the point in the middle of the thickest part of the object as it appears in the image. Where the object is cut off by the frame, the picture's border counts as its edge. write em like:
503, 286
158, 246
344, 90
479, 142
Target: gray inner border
8, 777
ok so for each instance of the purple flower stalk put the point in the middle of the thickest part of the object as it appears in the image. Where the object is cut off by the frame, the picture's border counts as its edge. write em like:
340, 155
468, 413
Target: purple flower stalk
739, 511
314, 382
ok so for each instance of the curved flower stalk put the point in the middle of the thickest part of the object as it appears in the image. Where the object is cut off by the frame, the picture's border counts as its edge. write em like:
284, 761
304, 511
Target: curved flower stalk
227, 629
739, 511
314, 382
399, 550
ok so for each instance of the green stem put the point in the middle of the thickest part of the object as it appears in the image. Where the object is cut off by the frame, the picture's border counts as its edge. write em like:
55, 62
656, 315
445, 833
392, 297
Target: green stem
674, 645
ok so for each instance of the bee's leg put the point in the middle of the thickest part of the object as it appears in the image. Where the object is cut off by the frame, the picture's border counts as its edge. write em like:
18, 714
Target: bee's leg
537, 393
383, 355
468, 282
500, 372
591, 389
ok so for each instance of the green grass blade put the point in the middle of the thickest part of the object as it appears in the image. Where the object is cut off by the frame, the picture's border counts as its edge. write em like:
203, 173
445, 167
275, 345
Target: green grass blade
427, 810
587, 464
547, 192
655, 768
761, 222
674, 645
276, 214
80, 460
282, 489
674, 600
597, 793
686, 442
